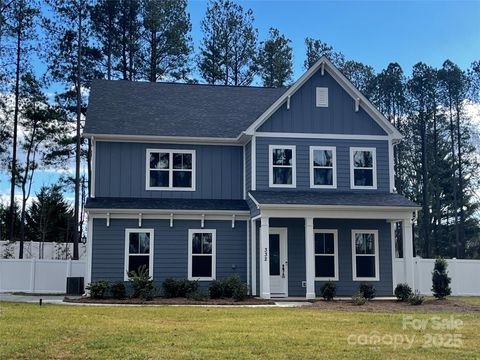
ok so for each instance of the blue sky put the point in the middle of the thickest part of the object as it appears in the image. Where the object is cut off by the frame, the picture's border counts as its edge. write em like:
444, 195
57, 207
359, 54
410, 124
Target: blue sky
373, 32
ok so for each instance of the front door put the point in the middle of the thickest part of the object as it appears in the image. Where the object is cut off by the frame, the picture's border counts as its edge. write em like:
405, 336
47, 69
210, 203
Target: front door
278, 262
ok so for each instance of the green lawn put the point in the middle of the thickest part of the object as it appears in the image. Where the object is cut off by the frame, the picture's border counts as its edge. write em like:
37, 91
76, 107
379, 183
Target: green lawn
78, 332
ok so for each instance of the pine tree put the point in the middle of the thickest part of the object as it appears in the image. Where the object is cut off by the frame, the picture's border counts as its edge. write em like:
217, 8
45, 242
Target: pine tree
275, 60
316, 49
166, 39
229, 45
129, 29
440, 279
361, 75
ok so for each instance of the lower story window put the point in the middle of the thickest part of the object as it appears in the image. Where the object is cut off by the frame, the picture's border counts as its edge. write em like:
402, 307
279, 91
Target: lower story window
365, 255
138, 250
201, 254
326, 255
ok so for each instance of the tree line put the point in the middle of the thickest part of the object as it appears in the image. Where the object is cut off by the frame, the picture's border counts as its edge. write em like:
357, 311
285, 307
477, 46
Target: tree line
77, 41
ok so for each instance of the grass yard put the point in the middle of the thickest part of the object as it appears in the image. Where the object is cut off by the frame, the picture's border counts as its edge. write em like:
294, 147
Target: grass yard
80, 332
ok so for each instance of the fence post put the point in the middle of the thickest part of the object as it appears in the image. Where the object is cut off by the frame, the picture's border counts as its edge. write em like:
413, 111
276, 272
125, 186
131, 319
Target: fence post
32, 274
453, 275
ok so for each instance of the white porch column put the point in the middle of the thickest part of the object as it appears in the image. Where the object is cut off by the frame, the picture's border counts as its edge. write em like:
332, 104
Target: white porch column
310, 258
408, 252
264, 258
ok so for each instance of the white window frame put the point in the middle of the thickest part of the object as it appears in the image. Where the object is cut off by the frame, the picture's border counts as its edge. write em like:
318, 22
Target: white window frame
333, 149
374, 168
128, 231
293, 166
213, 255
335, 254
354, 256
170, 169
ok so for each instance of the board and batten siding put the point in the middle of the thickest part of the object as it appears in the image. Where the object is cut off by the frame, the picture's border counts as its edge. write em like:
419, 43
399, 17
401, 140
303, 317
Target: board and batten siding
120, 171
305, 117
345, 284
303, 162
170, 248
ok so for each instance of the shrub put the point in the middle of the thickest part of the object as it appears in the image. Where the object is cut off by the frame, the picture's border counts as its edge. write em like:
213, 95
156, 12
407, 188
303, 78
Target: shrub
140, 281
173, 288
117, 290
240, 292
368, 291
198, 295
440, 279
329, 290
359, 299
416, 298
230, 284
215, 289
403, 292
98, 289
147, 293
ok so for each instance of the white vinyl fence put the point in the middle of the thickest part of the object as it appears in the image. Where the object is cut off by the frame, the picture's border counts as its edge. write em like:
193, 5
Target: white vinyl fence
465, 275
38, 276
41, 250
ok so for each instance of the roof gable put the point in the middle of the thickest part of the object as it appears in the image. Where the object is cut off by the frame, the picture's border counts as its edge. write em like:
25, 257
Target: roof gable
324, 65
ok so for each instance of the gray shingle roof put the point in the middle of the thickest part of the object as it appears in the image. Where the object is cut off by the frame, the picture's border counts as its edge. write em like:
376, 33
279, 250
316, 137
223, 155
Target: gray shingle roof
173, 109
166, 204
332, 198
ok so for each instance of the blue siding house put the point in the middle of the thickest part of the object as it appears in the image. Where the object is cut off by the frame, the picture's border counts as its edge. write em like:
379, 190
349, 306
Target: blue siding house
288, 188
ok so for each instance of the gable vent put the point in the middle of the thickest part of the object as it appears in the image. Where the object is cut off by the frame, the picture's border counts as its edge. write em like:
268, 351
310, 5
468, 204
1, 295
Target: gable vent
322, 97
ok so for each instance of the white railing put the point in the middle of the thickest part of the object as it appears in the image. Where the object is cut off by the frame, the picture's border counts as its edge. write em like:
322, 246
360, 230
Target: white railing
464, 274
38, 276
41, 250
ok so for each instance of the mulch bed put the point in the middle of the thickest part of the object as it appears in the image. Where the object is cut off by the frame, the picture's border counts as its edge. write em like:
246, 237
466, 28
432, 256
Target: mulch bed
397, 306
173, 301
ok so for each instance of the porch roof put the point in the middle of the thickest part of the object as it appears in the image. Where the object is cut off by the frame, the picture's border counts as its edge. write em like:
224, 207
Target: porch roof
99, 203
319, 198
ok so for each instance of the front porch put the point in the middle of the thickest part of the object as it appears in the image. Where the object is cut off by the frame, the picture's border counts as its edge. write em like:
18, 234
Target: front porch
294, 251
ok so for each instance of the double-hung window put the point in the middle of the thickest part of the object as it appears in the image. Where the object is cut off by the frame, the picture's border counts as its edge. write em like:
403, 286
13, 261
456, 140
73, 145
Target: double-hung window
323, 167
282, 166
365, 263
138, 250
363, 168
201, 254
170, 169
326, 254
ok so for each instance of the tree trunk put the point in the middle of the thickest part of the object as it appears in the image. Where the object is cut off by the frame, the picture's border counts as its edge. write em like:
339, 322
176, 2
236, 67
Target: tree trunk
14, 145
461, 230
425, 197
454, 181
78, 142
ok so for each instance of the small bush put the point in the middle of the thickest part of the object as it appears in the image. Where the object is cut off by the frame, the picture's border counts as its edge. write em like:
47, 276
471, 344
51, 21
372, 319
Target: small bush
173, 288
117, 290
98, 289
240, 292
230, 284
403, 292
329, 290
215, 289
416, 298
440, 279
368, 291
140, 281
198, 295
147, 293
359, 299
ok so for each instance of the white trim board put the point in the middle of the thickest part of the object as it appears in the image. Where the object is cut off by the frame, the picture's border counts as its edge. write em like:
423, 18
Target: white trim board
165, 139
325, 64
325, 136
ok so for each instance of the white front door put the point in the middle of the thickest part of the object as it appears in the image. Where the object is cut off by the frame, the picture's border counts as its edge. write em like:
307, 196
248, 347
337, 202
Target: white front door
278, 262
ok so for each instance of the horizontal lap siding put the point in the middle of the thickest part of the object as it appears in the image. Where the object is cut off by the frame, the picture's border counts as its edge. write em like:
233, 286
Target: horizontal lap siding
305, 117
120, 171
302, 161
170, 248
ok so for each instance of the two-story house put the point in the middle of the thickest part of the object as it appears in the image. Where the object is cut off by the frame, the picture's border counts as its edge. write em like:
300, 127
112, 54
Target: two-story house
288, 188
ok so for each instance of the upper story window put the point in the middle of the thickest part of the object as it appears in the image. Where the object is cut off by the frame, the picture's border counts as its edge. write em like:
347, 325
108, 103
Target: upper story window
363, 168
323, 167
138, 250
170, 169
282, 166
365, 264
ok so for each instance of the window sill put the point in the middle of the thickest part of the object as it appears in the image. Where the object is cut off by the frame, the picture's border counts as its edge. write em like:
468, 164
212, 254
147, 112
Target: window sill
366, 279
326, 279
201, 278
168, 189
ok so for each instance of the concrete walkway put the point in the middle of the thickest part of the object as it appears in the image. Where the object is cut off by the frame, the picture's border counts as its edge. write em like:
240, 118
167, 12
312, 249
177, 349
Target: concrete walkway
32, 298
